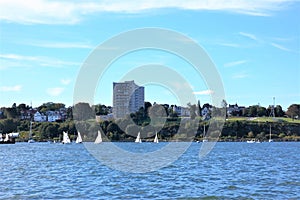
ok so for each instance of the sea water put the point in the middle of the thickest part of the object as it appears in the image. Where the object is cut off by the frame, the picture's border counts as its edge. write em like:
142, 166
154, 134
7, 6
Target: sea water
230, 171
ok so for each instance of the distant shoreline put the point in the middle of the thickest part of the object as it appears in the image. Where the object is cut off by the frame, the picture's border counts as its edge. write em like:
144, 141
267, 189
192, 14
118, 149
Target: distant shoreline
235, 129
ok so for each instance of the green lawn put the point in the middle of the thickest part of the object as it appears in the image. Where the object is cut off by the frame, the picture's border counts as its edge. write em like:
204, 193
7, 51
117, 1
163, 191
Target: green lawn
263, 119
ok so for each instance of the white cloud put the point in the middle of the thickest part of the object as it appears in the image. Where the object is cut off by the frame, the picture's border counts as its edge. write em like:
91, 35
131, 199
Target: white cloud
18, 57
235, 63
282, 39
204, 92
65, 81
240, 75
182, 86
70, 12
230, 45
15, 88
55, 91
280, 47
38, 12
5, 64
60, 45
21, 60
249, 35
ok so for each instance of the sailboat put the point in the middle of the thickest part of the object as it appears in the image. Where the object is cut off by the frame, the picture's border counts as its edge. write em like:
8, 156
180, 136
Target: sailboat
251, 141
99, 138
78, 139
66, 139
204, 135
30, 139
138, 138
270, 138
156, 138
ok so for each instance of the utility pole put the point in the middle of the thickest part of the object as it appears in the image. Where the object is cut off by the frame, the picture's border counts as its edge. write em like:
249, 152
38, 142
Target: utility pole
272, 113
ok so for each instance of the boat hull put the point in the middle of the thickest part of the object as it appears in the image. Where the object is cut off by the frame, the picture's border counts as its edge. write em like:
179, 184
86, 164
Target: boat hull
7, 142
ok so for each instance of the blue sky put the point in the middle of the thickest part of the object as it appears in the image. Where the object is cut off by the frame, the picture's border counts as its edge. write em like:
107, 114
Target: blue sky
255, 46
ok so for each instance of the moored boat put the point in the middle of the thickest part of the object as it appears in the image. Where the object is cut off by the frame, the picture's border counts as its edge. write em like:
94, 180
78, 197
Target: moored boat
251, 141
270, 137
30, 139
8, 138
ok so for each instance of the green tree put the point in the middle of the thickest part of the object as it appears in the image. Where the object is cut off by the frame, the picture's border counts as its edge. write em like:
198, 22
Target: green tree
148, 131
261, 111
252, 111
278, 111
83, 111
50, 106
104, 125
293, 110
70, 113
8, 125
147, 106
132, 130
113, 128
11, 113
166, 106
224, 106
100, 109
192, 108
51, 131
22, 107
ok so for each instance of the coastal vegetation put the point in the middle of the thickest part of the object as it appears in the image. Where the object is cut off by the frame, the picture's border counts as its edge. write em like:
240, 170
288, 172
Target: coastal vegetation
236, 128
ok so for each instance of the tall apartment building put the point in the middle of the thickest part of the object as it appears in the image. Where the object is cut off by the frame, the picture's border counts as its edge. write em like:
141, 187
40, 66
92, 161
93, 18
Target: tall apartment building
127, 98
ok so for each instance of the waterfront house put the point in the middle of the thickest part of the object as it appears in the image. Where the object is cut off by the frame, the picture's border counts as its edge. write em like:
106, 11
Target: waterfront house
39, 117
54, 116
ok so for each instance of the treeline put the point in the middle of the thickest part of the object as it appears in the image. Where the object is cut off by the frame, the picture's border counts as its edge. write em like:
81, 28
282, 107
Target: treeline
169, 127
25, 112
85, 111
260, 111
243, 130
117, 130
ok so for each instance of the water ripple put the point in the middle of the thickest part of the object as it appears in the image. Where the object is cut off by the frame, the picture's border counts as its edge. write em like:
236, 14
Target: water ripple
230, 171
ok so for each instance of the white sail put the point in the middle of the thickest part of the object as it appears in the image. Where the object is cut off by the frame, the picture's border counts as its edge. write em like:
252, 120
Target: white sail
66, 139
138, 138
156, 138
99, 138
1, 139
78, 139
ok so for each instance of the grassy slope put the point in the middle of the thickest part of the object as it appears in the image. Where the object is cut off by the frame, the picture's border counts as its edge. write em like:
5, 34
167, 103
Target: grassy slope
264, 119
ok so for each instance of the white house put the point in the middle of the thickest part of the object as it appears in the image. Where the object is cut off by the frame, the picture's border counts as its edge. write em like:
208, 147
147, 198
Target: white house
205, 111
107, 117
182, 111
234, 109
53, 116
38, 117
